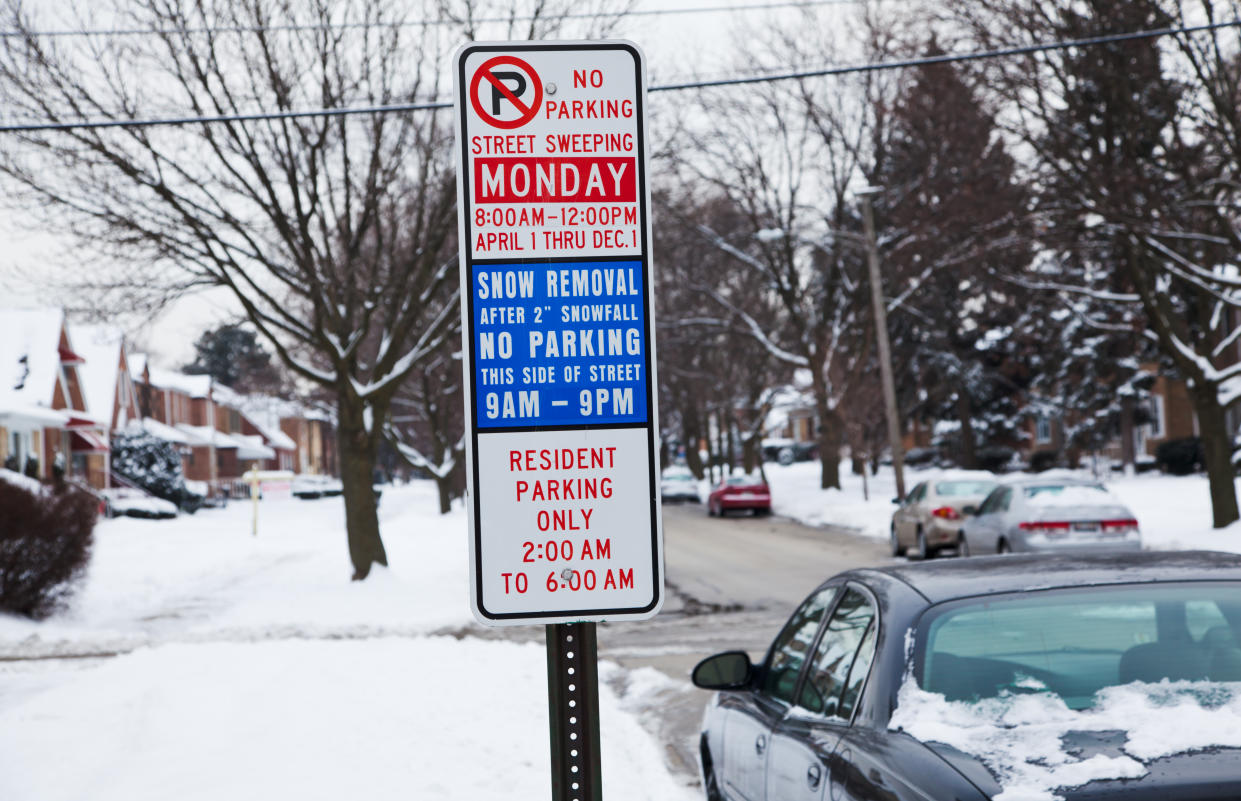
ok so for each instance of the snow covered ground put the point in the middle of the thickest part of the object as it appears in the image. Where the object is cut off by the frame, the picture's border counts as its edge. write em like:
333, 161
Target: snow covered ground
251, 667
1174, 511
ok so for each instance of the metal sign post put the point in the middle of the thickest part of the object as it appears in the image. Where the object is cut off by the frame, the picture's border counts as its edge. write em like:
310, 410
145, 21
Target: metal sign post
558, 359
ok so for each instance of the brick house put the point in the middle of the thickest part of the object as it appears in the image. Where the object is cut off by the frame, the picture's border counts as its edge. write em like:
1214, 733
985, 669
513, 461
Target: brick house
44, 419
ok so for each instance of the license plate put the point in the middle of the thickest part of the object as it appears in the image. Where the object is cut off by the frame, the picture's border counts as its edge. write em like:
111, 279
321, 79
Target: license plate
1092, 528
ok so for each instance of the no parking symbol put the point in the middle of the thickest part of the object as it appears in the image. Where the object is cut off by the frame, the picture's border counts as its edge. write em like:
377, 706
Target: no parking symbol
497, 94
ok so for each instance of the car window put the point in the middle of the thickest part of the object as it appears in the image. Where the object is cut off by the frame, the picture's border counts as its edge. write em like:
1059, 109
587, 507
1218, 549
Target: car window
1075, 643
1005, 500
859, 672
835, 655
963, 489
992, 500
917, 494
788, 652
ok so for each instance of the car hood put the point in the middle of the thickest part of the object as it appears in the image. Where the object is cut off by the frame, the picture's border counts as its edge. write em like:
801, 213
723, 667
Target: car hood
1209, 775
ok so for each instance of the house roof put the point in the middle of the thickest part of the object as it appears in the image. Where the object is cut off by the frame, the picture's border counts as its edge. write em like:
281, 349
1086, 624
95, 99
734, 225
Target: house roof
100, 347
196, 386
29, 358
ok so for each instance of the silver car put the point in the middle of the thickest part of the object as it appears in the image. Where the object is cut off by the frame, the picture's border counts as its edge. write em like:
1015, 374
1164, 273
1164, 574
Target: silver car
1034, 515
931, 515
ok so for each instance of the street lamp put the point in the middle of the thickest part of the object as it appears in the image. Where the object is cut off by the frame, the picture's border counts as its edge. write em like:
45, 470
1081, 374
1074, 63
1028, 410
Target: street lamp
881, 337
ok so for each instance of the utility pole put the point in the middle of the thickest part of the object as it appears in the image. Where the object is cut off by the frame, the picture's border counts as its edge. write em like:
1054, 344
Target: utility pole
881, 336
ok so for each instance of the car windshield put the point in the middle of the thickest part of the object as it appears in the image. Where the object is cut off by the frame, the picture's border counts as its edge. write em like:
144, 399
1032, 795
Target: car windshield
963, 489
1075, 643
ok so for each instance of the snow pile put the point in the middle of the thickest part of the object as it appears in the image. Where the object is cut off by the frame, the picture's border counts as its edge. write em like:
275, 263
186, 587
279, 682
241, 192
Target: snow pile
795, 493
386, 719
1020, 737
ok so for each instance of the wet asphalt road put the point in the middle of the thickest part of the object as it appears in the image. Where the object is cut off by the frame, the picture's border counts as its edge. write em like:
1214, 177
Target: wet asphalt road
731, 583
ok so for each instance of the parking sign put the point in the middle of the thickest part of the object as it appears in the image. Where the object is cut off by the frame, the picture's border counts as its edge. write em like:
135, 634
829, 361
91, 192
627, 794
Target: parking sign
557, 322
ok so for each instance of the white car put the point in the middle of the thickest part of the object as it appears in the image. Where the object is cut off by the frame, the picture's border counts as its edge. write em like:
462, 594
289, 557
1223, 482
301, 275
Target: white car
309, 486
678, 484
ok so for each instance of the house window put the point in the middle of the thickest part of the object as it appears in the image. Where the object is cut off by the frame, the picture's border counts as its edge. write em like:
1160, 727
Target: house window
1156, 429
1042, 429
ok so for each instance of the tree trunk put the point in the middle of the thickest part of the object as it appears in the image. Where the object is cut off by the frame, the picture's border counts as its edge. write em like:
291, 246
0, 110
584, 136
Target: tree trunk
829, 448
690, 432
357, 448
443, 486
1128, 456
751, 454
965, 414
1217, 454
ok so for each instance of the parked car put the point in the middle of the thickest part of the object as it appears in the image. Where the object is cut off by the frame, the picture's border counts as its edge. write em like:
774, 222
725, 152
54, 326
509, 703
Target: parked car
134, 502
309, 487
931, 516
1051, 514
965, 679
740, 492
787, 451
678, 484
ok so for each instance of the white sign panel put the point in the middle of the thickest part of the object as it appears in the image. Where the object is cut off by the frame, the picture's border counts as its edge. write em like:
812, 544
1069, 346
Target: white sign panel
557, 326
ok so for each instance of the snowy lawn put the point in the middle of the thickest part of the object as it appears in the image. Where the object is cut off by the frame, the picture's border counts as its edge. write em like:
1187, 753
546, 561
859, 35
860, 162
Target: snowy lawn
261, 671
1174, 512
388, 718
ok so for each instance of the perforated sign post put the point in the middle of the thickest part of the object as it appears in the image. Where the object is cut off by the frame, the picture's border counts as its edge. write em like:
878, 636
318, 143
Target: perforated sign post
559, 361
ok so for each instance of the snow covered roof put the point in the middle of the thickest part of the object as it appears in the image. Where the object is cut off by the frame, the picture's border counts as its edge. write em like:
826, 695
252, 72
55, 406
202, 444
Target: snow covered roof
165, 432
29, 358
100, 347
196, 386
248, 446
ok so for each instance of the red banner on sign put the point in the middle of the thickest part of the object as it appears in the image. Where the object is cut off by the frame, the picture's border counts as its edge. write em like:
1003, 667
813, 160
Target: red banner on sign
555, 180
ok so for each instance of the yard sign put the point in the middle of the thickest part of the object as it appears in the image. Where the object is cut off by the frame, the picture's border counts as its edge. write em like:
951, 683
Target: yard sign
557, 321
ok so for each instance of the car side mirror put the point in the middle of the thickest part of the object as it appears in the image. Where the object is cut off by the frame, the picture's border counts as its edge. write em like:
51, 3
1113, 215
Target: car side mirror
730, 670
969, 510
896, 501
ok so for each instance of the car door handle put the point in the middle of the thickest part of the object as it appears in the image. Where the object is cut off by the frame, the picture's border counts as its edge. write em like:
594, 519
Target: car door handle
760, 745
814, 775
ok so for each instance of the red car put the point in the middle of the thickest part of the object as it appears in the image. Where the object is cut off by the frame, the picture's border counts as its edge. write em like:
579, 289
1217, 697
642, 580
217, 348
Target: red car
740, 492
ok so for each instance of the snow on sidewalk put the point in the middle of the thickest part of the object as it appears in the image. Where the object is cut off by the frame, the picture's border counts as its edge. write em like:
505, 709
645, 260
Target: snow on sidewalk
411, 718
261, 671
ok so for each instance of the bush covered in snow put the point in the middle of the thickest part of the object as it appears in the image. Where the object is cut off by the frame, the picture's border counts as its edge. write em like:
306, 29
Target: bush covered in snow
153, 464
45, 542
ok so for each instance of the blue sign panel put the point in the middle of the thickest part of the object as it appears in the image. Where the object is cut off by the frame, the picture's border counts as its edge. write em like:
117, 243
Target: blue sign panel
560, 344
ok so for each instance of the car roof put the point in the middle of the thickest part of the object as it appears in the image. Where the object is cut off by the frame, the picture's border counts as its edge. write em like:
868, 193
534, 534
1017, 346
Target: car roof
948, 579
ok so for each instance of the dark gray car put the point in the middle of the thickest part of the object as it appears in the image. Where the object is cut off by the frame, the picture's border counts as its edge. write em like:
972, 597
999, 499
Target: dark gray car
827, 715
1035, 515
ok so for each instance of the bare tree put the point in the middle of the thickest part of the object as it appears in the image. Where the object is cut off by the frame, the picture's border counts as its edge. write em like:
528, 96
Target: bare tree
334, 234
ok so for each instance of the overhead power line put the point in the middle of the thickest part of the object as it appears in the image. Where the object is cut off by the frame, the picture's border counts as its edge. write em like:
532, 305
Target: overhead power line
419, 23
948, 58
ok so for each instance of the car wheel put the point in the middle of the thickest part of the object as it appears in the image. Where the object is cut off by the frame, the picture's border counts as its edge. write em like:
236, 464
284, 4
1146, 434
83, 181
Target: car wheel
711, 509
963, 546
919, 550
1003, 547
897, 550
762, 511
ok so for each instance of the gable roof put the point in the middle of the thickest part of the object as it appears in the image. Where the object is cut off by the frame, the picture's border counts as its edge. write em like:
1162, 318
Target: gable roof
30, 363
100, 348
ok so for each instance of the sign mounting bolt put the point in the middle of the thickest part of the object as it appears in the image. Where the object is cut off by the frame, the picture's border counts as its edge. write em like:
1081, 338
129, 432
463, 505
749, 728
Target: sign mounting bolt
550, 89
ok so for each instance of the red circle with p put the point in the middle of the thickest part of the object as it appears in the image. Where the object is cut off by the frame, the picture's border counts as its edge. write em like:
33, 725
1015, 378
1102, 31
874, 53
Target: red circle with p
497, 84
